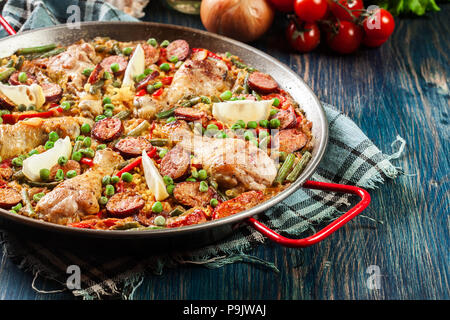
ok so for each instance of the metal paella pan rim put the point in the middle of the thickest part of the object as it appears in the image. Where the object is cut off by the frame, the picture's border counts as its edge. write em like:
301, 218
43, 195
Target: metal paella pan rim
132, 31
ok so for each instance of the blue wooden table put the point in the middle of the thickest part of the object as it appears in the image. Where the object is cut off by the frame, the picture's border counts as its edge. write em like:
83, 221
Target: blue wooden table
401, 89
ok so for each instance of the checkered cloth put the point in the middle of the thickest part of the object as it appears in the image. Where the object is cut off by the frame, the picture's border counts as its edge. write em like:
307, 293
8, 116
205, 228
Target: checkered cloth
351, 158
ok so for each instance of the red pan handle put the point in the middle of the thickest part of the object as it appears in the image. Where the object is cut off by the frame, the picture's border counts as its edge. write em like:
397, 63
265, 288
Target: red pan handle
7, 26
329, 229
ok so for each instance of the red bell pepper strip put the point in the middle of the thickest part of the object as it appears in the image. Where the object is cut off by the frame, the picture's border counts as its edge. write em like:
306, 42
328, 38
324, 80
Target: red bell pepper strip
141, 92
167, 80
158, 92
87, 161
13, 118
135, 163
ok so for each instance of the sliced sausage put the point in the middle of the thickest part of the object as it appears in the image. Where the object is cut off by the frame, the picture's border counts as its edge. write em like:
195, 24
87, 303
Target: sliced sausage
52, 91
287, 119
124, 204
195, 216
6, 172
242, 202
14, 79
290, 140
6, 103
9, 198
188, 194
178, 48
151, 54
262, 82
189, 114
107, 129
175, 163
70, 165
146, 81
121, 61
96, 74
133, 146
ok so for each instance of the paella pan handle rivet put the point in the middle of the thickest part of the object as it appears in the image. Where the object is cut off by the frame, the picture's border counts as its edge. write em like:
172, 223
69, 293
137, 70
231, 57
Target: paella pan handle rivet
7, 26
329, 229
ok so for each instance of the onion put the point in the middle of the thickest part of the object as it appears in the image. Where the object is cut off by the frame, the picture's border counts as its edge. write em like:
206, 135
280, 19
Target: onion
154, 180
244, 20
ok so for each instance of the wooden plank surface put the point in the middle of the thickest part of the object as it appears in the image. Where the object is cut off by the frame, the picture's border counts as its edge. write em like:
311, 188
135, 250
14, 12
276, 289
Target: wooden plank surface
399, 89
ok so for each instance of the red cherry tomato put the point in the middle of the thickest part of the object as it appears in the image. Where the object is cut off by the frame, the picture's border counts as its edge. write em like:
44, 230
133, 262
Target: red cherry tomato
283, 5
347, 39
379, 25
341, 9
306, 39
310, 10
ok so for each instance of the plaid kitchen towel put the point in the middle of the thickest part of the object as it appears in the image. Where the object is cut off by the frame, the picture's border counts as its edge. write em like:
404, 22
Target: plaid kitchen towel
351, 158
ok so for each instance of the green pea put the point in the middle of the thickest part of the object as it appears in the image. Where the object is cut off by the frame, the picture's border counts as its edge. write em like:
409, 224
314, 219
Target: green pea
252, 125
115, 179
160, 221
22, 107
165, 43
85, 128
31, 107
23, 77
109, 190
127, 51
170, 188
59, 175
214, 202
276, 102
106, 180
100, 117
263, 134
157, 207
62, 160
80, 138
212, 127
140, 77
164, 66
53, 136
17, 162
103, 200
273, 112
77, 155
38, 196
226, 95
153, 42
70, 174
241, 123
101, 146
48, 145
157, 85
107, 75
88, 152
191, 180
65, 105
17, 207
127, 177
114, 67
167, 180
106, 100
87, 142
117, 83
202, 175
148, 71
22, 156
205, 100
173, 59
194, 173
236, 126
221, 135
87, 72
264, 123
44, 174
34, 151
275, 123
108, 113
248, 135
171, 119
162, 153
150, 89
108, 106
203, 186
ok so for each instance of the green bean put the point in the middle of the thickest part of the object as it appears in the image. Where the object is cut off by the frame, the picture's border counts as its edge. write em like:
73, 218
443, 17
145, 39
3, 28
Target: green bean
10, 64
99, 48
28, 206
159, 142
77, 146
4, 75
19, 62
52, 53
215, 99
246, 87
127, 226
48, 185
285, 168
298, 168
238, 64
96, 86
256, 95
177, 211
38, 49
116, 50
123, 164
139, 129
165, 114
122, 115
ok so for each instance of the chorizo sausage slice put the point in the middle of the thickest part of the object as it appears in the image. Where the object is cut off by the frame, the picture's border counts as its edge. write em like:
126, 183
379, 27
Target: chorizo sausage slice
262, 82
133, 146
146, 81
242, 202
95, 74
121, 61
178, 48
189, 114
124, 204
195, 216
151, 54
52, 91
107, 129
290, 140
14, 79
188, 194
175, 163
287, 119
9, 198
70, 165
